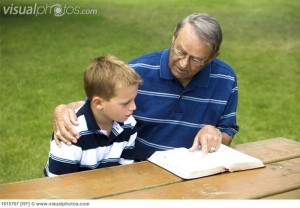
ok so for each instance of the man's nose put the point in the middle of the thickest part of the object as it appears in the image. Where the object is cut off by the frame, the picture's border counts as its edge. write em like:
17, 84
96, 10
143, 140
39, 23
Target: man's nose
184, 61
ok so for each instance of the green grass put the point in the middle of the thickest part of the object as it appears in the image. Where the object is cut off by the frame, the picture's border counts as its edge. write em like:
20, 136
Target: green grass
42, 60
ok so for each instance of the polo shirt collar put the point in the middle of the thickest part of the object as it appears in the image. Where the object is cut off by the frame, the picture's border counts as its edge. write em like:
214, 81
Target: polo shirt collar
119, 127
201, 79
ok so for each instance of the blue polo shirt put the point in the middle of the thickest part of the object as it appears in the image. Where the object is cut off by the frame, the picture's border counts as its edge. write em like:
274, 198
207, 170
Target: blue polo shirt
169, 115
94, 149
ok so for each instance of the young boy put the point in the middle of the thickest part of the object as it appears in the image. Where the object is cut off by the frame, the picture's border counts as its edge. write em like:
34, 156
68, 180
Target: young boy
106, 125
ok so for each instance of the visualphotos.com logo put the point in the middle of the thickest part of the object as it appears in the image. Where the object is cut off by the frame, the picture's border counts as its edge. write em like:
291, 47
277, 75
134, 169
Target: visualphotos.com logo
57, 10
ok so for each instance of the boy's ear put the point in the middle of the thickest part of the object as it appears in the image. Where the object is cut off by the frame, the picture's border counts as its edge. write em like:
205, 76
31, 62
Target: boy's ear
98, 102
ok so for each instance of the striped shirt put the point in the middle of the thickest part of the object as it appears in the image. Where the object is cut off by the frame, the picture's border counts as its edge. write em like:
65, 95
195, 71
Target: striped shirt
94, 149
169, 115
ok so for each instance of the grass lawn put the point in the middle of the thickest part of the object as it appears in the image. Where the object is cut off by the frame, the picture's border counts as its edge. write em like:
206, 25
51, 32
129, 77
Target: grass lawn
43, 58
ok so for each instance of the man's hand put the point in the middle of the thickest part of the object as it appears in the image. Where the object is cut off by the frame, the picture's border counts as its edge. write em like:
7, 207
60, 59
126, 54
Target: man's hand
210, 139
64, 117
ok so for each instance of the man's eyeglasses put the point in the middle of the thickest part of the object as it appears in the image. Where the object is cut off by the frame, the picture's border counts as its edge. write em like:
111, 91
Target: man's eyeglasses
193, 61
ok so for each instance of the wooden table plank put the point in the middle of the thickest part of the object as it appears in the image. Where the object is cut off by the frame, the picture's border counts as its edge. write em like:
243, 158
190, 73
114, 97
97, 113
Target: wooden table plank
90, 184
271, 150
295, 194
112, 181
275, 178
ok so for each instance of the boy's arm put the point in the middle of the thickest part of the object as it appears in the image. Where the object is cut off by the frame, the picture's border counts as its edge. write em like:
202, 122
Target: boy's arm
64, 117
62, 160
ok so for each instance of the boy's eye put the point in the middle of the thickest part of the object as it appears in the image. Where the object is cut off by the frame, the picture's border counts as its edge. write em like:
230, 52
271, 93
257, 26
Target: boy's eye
126, 103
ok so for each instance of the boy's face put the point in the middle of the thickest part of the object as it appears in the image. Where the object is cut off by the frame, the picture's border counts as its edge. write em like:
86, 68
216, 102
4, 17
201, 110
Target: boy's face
120, 107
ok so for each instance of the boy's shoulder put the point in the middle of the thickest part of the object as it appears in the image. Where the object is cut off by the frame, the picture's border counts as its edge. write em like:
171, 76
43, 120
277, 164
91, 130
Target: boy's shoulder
83, 114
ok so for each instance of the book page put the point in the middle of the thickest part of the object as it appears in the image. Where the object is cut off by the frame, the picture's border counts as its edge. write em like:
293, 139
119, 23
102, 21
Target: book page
235, 160
186, 164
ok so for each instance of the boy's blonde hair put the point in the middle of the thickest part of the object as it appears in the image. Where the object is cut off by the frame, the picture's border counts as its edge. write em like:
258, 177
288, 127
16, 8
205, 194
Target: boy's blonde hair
106, 74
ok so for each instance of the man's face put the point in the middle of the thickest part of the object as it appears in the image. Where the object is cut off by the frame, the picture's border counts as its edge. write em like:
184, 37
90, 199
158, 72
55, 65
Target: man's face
188, 55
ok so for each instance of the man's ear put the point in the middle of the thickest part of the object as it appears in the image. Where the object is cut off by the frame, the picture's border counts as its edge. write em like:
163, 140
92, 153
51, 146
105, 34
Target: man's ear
173, 39
214, 56
98, 102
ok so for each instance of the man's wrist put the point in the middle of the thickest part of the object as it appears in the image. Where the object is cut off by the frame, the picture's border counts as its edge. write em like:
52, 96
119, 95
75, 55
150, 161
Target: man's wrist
221, 136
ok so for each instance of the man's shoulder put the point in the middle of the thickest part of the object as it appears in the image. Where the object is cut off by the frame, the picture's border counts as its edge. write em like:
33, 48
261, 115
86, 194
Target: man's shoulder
221, 66
149, 58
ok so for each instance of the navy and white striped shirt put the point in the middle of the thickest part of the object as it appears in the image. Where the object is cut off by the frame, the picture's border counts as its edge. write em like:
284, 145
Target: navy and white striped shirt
93, 149
169, 115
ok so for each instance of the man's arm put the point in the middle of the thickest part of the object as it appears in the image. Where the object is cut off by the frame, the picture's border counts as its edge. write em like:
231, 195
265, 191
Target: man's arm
210, 137
64, 117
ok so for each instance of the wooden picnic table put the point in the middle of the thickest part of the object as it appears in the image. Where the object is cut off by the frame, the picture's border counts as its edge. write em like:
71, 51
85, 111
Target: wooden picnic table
144, 180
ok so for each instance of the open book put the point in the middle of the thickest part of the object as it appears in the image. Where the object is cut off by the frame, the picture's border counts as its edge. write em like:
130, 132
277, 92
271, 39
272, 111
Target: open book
189, 165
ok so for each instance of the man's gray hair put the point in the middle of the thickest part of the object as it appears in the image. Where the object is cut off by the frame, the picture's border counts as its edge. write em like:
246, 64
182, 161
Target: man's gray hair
206, 27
